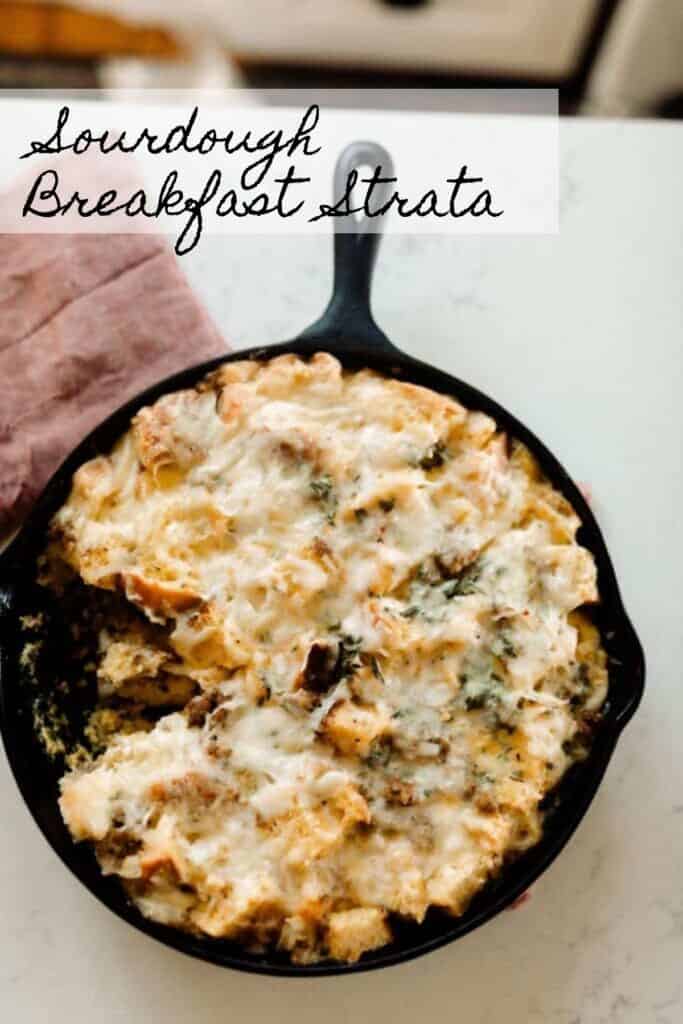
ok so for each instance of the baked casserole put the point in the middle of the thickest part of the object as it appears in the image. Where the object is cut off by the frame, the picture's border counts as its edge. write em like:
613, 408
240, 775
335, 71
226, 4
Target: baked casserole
346, 657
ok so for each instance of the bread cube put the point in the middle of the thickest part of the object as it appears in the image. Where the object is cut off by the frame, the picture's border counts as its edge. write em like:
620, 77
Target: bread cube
352, 729
350, 933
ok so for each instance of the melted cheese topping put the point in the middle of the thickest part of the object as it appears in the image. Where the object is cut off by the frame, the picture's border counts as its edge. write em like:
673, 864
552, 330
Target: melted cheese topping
375, 595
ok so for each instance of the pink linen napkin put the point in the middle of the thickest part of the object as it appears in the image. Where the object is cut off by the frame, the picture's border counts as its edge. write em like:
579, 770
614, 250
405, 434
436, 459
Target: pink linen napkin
86, 321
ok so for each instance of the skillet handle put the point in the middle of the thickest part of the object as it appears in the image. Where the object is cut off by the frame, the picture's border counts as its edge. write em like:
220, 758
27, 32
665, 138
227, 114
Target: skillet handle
347, 325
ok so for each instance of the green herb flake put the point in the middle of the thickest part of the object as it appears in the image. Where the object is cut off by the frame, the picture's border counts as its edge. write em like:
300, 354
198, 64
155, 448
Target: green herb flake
379, 755
464, 583
480, 777
321, 487
322, 490
503, 645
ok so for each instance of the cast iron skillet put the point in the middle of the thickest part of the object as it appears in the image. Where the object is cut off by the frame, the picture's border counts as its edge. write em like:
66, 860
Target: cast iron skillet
347, 330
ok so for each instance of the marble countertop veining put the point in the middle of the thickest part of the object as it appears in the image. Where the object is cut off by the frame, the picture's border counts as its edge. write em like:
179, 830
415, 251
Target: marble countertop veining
582, 336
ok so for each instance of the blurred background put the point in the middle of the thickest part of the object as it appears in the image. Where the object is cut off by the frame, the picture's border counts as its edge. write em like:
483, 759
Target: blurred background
620, 58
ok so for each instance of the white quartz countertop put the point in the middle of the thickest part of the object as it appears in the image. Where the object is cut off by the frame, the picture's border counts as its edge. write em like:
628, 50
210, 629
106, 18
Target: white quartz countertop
581, 335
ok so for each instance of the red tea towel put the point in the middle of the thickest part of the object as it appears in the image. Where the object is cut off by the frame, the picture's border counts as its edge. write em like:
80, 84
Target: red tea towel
86, 321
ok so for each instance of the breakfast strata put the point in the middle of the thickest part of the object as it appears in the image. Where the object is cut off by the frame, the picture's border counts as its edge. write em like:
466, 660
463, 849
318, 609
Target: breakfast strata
346, 661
